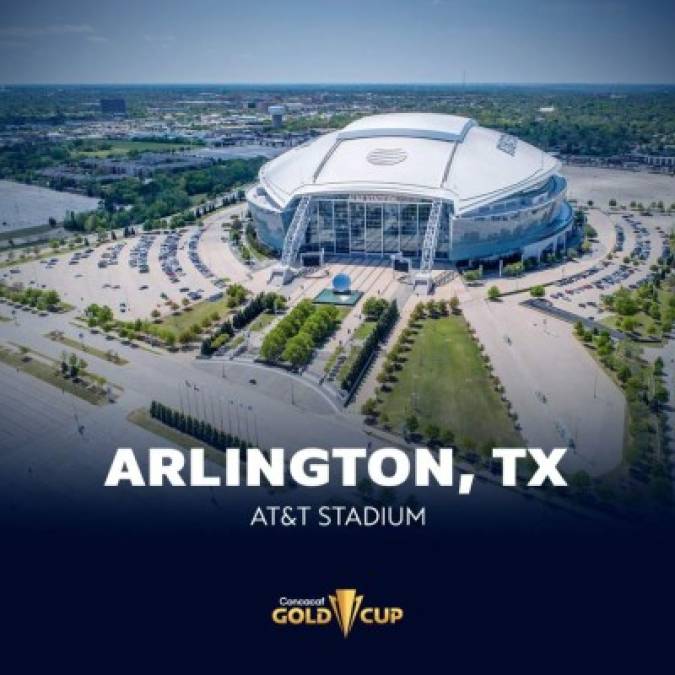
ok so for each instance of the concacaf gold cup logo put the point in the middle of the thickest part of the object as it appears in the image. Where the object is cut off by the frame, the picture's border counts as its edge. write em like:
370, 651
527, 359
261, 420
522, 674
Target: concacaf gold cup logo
346, 608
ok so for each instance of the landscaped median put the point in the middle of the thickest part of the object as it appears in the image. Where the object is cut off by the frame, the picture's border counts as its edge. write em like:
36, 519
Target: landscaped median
70, 374
643, 476
109, 355
261, 309
381, 317
646, 313
437, 386
185, 431
202, 322
293, 340
41, 300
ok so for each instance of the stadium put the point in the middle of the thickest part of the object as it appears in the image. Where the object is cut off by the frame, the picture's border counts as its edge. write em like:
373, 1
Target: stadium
428, 188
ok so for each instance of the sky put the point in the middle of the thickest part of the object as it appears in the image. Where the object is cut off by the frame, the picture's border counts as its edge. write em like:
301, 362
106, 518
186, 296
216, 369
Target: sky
337, 41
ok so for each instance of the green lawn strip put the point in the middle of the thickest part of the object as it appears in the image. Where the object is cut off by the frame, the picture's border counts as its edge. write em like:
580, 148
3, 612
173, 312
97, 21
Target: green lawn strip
195, 314
342, 312
641, 422
360, 335
47, 252
365, 329
235, 341
262, 322
78, 323
47, 372
445, 382
122, 148
644, 323
333, 358
251, 246
643, 475
141, 417
80, 346
354, 351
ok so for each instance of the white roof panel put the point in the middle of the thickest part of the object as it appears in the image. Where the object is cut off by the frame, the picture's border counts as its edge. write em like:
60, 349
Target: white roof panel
418, 125
438, 156
400, 162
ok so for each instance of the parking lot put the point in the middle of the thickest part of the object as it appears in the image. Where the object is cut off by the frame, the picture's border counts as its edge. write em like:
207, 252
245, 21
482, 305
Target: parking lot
137, 275
642, 240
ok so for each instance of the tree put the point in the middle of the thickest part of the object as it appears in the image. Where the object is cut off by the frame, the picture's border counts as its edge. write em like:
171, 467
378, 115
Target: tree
454, 304
374, 307
369, 408
74, 365
447, 438
493, 293
412, 423
433, 433
661, 395
50, 300
537, 291
186, 337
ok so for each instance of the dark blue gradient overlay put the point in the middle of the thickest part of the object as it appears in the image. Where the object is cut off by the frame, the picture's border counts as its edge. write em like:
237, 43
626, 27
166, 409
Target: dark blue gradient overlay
140, 593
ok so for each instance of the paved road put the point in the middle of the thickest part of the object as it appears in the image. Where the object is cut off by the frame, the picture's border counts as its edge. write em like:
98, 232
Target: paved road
556, 388
48, 458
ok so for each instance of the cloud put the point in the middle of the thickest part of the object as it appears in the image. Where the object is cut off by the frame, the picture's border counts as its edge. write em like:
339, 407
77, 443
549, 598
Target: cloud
98, 39
26, 32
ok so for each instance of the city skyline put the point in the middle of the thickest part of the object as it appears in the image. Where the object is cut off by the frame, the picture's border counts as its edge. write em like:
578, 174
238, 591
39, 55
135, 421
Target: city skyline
372, 41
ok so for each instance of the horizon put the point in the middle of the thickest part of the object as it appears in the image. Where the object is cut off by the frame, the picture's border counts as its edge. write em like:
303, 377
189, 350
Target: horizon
359, 42
461, 85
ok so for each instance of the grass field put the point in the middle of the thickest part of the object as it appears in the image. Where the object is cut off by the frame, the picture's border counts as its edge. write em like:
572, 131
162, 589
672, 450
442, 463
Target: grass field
445, 382
121, 148
365, 329
80, 346
47, 372
196, 314
46, 251
645, 325
262, 322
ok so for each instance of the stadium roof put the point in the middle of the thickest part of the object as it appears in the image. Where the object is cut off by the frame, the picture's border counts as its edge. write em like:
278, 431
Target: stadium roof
413, 154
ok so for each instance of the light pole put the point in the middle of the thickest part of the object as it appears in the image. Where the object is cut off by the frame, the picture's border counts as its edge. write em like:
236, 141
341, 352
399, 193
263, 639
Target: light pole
248, 430
255, 424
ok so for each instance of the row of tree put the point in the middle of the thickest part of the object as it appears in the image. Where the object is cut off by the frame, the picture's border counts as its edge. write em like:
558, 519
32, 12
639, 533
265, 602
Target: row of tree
199, 429
295, 337
387, 318
41, 299
263, 302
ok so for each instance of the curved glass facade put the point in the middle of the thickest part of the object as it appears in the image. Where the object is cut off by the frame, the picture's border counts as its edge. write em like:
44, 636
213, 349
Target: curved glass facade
379, 225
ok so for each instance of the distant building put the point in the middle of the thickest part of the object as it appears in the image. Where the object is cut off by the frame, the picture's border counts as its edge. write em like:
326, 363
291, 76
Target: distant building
277, 114
113, 106
654, 160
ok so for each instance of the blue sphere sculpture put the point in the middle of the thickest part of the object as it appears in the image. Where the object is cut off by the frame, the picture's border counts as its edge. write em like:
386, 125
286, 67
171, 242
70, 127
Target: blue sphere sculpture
342, 283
